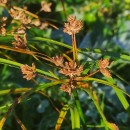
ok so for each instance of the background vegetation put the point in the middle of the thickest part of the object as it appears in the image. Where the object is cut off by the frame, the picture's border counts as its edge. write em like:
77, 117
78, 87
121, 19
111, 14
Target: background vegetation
36, 104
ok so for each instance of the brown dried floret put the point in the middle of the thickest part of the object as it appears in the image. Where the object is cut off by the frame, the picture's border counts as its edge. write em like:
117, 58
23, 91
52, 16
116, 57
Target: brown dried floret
28, 71
66, 88
21, 30
20, 42
73, 26
71, 69
46, 6
36, 22
4, 19
16, 14
44, 25
2, 26
3, 31
3, 1
20, 15
58, 60
103, 64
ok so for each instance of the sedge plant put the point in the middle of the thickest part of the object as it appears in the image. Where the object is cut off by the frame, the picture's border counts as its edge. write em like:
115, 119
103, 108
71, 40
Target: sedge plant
70, 75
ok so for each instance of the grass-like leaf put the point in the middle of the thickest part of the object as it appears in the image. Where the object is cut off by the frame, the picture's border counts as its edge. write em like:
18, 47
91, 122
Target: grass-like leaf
20, 122
75, 118
17, 65
61, 117
118, 91
14, 91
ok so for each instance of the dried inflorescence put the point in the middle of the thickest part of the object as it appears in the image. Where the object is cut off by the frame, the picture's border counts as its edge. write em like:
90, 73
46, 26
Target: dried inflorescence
20, 15
58, 60
44, 25
71, 69
28, 71
66, 88
41, 25
46, 6
20, 42
21, 30
73, 26
3, 1
2, 26
103, 64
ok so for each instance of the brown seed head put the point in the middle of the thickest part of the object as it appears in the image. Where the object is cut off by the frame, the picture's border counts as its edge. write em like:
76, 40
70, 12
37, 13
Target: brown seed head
58, 60
20, 15
71, 69
66, 88
73, 26
2, 31
103, 64
3, 1
20, 42
46, 6
28, 72
2, 26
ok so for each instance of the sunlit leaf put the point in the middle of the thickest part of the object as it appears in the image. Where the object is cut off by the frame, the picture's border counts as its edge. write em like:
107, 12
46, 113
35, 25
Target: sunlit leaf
61, 117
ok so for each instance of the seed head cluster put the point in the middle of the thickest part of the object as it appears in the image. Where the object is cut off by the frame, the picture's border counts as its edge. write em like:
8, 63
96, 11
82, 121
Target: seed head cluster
70, 69
46, 6
2, 26
73, 26
103, 64
28, 71
19, 15
19, 41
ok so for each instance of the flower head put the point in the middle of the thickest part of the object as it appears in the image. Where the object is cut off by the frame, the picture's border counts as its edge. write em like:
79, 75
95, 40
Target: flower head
2, 26
71, 69
103, 64
46, 6
3, 1
66, 88
19, 42
19, 15
58, 60
73, 26
28, 72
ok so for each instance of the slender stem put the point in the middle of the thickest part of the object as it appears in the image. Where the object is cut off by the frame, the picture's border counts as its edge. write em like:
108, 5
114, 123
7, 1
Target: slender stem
94, 97
78, 105
14, 91
93, 73
17, 101
27, 12
63, 6
46, 77
74, 48
87, 76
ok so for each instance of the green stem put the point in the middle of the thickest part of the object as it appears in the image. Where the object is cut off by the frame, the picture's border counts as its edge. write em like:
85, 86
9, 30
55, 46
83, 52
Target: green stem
74, 48
14, 91
78, 105
94, 97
